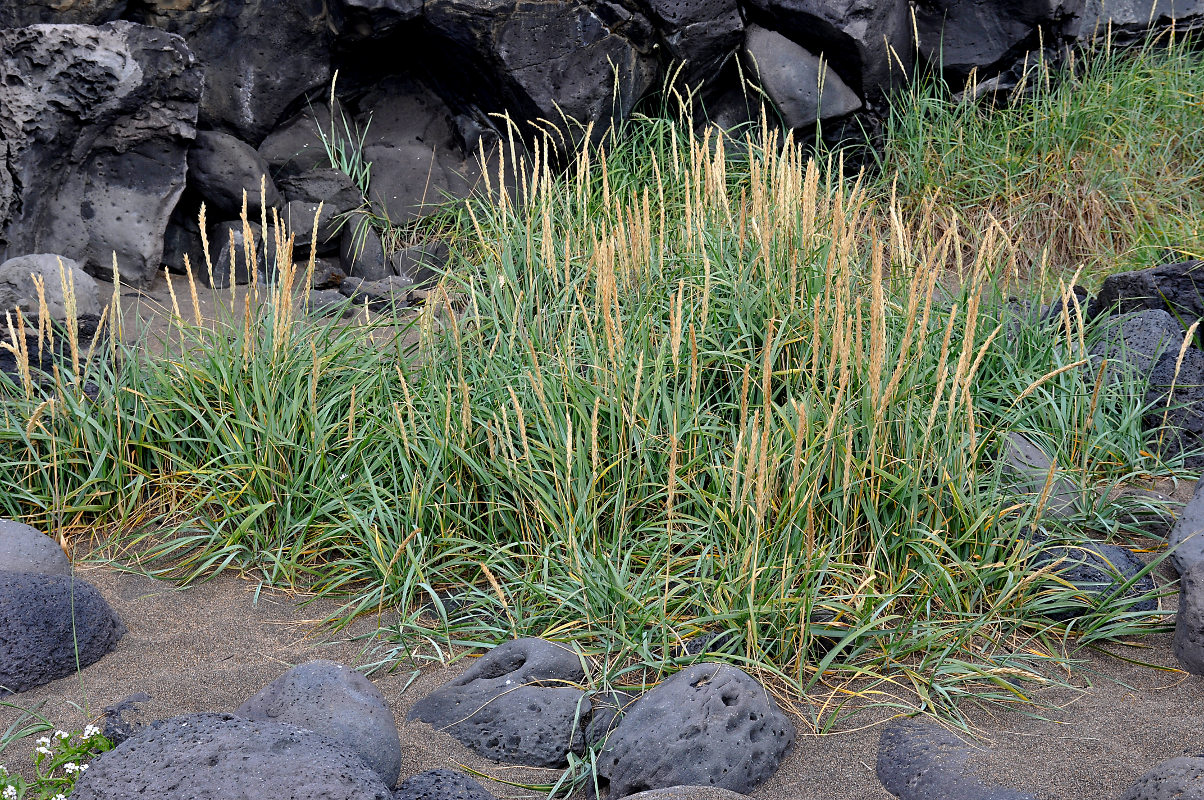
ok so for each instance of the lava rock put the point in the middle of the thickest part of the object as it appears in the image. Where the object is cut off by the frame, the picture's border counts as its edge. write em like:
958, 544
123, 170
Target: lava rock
296, 146
421, 264
361, 253
221, 756
517, 704
26, 549
328, 302
221, 167
225, 234
709, 725
1177, 288
116, 727
21, 13
1180, 778
361, 20
699, 34
1187, 536
336, 701
963, 35
1026, 468
97, 122
792, 77
1189, 620
17, 289
441, 784
687, 793
606, 712
47, 622
328, 273
920, 760
259, 56
1096, 570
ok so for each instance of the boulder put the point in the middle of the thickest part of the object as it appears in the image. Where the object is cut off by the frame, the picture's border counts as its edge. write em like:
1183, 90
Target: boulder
338, 702
1187, 536
441, 784
1189, 620
328, 302
183, 238
20, 13
687, 793
296, 146
221, 756
1147, 344
1129, 19
360, 20
259, 56
920, 760
699, 34
1180, 778
964, 35
97, 122
27, 549
1026, 470
330, 189
50, 626
65, 286
606, 712
221, 237
800, 84
361, 253
1177, 288
1096, 570
420, 264
221, 168
868, 42
518, 704
708, 725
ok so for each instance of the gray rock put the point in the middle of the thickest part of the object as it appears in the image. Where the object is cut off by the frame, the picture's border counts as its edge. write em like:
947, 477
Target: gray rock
360, 20
295, 146
183, 238
792, 77
606, 712
1180, 778
860, 38
328, 302
221, 167
19, 13
1187, 536
441, 784
299, 217
708, 725
1096, 570
920, 760
27, 549
421, 264
328, 273
50, 626
17, 288
1094, 19
259, 56
1189, 621
687, 793
116, 727
1177, 288
221, 756
361, 253
220, 244
338, 702
517, 704
385, 295
961, 35
699, 33
1026, 469
97, 123
323, 185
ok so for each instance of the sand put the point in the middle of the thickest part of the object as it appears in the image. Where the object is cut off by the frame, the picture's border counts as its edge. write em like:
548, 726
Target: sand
210, 646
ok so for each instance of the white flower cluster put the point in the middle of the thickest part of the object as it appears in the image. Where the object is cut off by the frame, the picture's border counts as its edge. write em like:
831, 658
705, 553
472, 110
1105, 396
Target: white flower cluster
91, 731
71, 767
9, 793
44, 745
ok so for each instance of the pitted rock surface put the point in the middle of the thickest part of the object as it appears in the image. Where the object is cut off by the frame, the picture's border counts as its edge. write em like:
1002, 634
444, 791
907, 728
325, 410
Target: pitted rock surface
517, 704
606, 712
45, 621
328, 698
1187, 535
920, 760
1179, 778
221, 757
1189, 620
26, 549
687, 793
441, 784
708, 725
97, 122
221, 167
1097, 570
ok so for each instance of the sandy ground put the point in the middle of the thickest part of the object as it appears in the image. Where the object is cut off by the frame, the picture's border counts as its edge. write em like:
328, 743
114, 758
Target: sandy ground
210, 646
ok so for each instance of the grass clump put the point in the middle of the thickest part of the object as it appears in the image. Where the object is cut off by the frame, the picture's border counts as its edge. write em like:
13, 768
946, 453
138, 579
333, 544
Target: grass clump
678, 390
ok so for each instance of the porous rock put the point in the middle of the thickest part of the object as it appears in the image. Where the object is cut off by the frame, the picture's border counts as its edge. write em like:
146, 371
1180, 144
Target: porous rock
19, 13
296, 145
221, 167
259, 56
359, 20
1097, 570
700, 34
387, 294
606, 712
1189, 620
1180, 778
24, 548
420, 264
361, 253
116, 728
687, 793
1026, 468
961, 35
708, 725
517, 704
441, 784
1187, 536
47, 622
793, 78
336, 701
18, 290
920, 760
96, 123
221, 756
1177, 288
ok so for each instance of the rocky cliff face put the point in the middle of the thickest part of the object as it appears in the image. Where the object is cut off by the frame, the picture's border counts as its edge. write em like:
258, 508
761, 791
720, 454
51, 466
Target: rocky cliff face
98, 110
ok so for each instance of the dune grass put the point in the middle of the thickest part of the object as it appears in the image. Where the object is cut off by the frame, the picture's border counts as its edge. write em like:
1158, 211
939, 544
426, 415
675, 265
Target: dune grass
681, 389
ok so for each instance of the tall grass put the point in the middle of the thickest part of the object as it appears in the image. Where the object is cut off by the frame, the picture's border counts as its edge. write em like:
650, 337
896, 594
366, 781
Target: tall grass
1097, 163
668, 393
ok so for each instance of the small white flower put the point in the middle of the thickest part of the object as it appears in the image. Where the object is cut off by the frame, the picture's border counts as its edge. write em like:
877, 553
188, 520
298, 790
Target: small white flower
44, 750
71, 767
3, 772
91, 731
59, 797
44, 741
62, 735
10, 793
